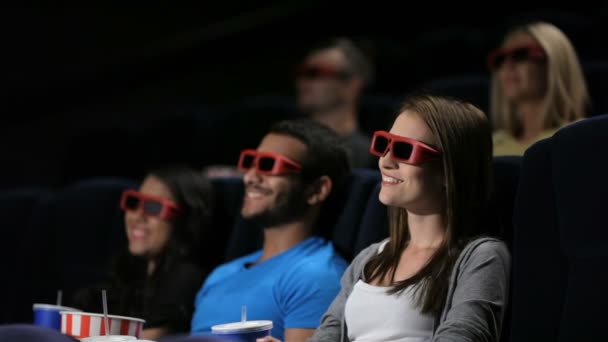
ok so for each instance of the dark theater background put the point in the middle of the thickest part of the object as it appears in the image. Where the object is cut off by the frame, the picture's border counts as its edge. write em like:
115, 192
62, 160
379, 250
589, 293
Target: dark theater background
96, 89
98, 93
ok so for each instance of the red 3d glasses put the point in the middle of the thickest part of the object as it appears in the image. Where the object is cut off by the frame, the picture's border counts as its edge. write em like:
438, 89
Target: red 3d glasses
402, 149
267, 163
522, 53
150, 205
317, 71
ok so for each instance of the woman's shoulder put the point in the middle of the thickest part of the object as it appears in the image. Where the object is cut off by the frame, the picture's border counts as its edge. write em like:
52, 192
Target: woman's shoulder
370, 251
366, 254
484, 248
485, 243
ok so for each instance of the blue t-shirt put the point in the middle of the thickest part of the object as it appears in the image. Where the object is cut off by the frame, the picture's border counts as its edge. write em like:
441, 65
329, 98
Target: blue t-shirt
292, 289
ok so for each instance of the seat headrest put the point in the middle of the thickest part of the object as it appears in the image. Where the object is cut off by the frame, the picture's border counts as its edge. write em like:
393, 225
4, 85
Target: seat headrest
580, 180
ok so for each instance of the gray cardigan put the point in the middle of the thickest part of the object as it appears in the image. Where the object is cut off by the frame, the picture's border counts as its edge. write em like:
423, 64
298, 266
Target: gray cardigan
476, 300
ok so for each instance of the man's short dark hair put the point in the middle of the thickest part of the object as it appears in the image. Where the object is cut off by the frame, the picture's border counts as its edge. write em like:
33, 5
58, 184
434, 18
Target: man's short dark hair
357, 62
326, 152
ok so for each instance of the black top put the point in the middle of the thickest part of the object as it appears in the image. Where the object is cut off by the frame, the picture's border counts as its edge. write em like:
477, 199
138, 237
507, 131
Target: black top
165, 299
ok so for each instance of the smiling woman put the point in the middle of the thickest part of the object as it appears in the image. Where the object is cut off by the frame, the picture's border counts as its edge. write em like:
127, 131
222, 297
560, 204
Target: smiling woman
435, 278
157, 278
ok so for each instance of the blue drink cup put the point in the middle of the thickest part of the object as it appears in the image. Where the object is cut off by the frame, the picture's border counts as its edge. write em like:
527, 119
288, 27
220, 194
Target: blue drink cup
247, 331
47, 315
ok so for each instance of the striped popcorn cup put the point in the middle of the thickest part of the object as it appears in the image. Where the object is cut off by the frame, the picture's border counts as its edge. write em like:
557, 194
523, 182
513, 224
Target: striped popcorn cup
85, 324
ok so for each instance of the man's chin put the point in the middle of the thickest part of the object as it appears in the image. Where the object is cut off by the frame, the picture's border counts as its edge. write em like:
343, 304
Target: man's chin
250, 213
308, 107
262, 219
137, 251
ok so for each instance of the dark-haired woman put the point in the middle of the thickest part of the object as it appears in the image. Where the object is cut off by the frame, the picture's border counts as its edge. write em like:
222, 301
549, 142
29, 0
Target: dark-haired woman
157, 278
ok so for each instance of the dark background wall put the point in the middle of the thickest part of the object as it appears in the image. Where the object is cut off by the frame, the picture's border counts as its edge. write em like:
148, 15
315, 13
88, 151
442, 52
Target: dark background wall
98, 89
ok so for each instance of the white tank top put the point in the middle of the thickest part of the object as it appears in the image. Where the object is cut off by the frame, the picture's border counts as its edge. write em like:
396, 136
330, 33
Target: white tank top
374, 315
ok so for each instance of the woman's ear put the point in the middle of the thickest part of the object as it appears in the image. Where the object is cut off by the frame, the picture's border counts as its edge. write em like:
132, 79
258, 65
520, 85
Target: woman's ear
319, 190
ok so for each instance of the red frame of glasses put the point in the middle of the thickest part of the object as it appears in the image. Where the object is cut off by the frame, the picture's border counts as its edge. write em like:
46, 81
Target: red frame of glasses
326, 71
421, 152
169, 208
282, 164
535, 51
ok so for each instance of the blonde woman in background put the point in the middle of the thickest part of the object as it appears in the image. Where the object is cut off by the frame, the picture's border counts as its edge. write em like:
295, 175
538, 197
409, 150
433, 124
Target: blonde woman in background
537, 87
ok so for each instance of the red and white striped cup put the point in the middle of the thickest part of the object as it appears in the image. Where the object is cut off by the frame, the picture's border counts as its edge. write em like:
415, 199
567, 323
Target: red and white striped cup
85, 324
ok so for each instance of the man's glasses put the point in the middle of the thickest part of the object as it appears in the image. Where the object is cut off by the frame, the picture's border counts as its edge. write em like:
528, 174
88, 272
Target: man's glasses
529, 52
267, 163
150, 205
316, 71
402, 149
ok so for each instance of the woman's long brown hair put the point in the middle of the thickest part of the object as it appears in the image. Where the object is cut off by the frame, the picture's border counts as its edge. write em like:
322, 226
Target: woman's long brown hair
463, 134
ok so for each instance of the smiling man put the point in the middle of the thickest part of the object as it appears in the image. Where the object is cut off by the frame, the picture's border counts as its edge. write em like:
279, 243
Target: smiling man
293, 279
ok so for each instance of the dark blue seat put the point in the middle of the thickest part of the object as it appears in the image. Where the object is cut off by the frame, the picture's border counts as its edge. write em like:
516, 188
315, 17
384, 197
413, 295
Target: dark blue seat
374, 223
77, 234
16, 210
596, 76
342, 215
377, 112
560, 242
499, 216
31, 333
228, 198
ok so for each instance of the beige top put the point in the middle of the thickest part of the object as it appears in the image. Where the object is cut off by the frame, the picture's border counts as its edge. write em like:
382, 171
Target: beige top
507, 145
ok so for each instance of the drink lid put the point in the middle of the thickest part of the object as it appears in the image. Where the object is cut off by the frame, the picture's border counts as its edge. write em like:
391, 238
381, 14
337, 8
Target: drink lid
53, 307
241, 327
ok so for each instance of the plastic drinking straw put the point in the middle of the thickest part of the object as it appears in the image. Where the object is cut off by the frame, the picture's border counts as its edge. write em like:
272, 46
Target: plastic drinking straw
243, 313
105, 311
59, 296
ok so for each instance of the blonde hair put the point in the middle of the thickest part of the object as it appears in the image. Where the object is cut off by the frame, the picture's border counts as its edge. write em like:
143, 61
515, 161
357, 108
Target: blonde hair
565, 98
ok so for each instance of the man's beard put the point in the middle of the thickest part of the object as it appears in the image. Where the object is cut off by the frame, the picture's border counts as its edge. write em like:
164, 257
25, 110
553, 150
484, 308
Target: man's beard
290, 206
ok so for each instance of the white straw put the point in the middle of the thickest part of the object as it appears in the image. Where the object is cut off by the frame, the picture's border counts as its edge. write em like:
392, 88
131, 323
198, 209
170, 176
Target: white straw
105, 311
243, 313
59, 296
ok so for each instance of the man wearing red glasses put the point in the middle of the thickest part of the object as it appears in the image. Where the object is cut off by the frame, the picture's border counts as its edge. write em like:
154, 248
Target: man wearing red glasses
329, 83
293, 279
